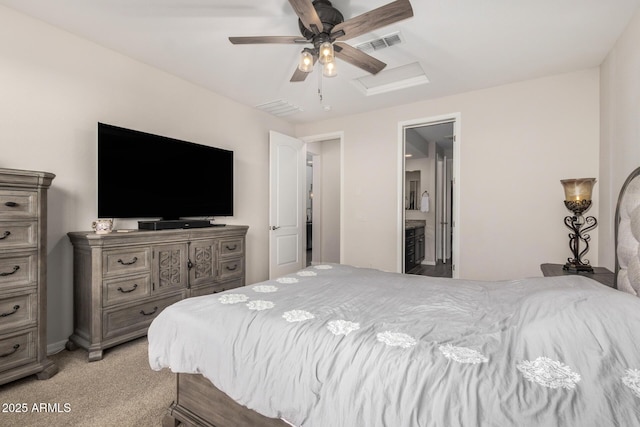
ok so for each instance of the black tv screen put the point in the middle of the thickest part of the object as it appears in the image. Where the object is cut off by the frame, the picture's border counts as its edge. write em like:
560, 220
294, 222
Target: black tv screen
141, 175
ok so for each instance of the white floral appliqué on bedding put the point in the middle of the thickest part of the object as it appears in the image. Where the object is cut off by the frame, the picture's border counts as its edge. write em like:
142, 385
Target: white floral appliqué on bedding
323, 267
549, 373
233, 298
306, 273
260, 305
297, 315
462, 354
396, 339
342, 327
287, 280
265, 288
632, 380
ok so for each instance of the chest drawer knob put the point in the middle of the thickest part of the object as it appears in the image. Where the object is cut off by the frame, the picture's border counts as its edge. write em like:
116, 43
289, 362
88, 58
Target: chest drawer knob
15, 309
135, 286
133, 261
15, 348
11, 204
231, 248
149, 314
5, 235
15, 268
235, 267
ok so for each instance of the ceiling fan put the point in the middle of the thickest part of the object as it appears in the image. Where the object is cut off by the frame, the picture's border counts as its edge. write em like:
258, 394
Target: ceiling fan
324, 27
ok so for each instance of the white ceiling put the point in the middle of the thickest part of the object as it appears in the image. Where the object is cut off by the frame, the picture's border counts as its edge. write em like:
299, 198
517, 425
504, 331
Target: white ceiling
461, 45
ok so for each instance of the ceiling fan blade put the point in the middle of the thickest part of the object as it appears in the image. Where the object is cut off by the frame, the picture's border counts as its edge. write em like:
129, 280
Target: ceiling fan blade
307, 14
299, 76
358, 58
372, 20
268, 40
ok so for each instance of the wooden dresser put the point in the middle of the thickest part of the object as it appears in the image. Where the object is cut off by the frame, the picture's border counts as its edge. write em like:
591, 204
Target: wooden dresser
123, 280
23, 274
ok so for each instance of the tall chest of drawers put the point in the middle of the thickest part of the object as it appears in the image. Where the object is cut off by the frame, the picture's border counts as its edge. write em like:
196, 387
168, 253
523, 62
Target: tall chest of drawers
23, 261
122, 281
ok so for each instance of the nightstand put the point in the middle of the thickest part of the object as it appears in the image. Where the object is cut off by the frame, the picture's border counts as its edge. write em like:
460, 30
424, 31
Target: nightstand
600, 274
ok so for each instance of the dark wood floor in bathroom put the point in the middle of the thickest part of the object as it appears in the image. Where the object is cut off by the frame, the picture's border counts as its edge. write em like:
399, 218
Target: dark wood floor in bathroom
441, 269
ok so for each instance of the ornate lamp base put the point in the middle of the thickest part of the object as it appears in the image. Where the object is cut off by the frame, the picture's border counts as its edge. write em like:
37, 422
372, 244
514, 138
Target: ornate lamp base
577, 268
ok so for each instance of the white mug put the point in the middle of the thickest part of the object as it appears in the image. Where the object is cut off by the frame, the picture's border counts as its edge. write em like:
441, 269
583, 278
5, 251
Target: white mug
102, 226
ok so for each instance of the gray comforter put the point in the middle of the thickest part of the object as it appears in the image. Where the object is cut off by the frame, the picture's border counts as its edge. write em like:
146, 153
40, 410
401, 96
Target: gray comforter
335, 345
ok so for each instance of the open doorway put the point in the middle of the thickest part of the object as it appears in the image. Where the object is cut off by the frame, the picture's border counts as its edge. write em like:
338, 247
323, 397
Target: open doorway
324, 199
428, 206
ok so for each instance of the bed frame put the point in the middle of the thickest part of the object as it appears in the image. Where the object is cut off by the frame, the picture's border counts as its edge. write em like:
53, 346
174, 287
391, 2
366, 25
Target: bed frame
200, 403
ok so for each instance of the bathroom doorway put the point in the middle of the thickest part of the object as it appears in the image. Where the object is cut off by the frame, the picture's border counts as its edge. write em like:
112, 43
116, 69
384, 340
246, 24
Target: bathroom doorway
428, 207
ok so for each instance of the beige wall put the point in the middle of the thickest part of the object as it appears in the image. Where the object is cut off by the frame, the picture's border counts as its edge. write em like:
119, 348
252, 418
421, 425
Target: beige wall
517, 142
55, 87
620, 129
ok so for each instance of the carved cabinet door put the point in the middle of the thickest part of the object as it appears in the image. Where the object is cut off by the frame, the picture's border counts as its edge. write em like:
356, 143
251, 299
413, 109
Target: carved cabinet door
170, 271
203, 261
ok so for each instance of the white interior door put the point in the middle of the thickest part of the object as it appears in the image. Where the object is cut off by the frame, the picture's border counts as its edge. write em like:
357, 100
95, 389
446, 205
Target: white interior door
287, 168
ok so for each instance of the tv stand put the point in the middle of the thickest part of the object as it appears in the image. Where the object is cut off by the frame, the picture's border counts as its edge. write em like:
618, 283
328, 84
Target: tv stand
172, 224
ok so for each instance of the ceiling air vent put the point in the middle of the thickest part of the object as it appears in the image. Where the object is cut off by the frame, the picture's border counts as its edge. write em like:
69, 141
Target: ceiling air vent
279, 108
380, 43
391, 79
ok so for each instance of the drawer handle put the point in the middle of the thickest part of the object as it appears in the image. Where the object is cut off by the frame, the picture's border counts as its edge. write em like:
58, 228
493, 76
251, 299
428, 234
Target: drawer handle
15, 348
15, 308
135, 286
5, 235
235, 267
15, 268
133, 261
149, 314
230, 248
11, 204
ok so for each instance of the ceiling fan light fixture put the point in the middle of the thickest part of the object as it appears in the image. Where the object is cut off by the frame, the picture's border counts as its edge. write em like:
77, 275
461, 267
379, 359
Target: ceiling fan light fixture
329, 69
326, 53
306, 62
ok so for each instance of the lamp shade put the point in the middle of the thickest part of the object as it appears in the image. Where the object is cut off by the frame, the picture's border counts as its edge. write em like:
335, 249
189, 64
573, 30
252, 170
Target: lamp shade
306, 62
326, 53
576, 190
329, 69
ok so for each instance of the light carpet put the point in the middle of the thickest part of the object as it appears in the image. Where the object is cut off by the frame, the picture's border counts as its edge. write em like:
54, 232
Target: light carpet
119, 390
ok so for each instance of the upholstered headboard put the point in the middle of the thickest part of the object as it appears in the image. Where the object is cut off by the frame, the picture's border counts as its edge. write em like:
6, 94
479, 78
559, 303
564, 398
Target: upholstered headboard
628, 235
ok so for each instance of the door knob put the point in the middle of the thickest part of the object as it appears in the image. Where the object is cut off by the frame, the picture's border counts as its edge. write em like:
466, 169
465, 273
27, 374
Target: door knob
274, 227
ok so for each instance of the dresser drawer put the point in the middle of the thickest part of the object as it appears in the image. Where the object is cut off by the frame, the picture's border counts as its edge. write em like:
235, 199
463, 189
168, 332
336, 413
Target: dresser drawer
18, 204
127, 289
17, 235
17, 270
123, 261
231, 247
18, 310
218, 287
17, 350
134, 318
230, 268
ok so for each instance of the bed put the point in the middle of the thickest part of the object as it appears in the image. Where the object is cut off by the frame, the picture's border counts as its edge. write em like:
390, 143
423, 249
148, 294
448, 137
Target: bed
335, 345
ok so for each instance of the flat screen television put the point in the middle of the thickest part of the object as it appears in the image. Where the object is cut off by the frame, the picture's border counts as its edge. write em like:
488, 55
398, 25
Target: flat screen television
141, 175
